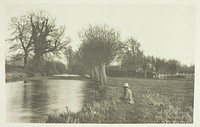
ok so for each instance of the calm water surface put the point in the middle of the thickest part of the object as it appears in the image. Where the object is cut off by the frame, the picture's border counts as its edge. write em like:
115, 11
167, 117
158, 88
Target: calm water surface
29, 102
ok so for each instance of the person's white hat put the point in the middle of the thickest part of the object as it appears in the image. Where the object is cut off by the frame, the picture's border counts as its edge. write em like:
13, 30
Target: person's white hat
126, 85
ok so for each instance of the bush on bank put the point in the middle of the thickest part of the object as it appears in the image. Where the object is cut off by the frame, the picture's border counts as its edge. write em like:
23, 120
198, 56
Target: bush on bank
47, 68
17, 73
15, 76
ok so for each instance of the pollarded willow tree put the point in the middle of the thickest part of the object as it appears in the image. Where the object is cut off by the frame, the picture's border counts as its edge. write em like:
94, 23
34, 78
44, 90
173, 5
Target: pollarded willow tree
100, 46
88, 60
47, 37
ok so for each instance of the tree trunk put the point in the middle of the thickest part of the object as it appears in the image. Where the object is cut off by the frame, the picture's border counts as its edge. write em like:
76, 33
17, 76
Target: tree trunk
25, 60
37, 62
102, 72
92, 73
172, 75
145, 73
100, 76
96, 73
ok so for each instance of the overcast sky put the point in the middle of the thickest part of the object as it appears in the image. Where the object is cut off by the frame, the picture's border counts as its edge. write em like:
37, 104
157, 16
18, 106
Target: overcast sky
166, 31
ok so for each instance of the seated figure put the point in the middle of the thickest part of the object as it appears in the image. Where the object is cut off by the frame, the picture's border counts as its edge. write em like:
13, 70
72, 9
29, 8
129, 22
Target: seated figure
128, 97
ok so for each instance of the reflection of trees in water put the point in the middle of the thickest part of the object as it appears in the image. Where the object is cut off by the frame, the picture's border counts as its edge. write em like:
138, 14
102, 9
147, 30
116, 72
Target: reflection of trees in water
89, 91
26, 96
43, 97
36, 97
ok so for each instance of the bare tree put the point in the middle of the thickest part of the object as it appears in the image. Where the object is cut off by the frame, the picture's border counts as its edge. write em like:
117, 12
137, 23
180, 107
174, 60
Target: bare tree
21, 37
47, 36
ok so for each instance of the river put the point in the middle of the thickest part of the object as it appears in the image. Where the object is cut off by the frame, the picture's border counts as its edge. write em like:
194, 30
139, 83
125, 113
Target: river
29, 102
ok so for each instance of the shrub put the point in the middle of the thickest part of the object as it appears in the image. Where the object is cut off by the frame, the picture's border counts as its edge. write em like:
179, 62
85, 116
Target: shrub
14, 76
12, 68
47, 68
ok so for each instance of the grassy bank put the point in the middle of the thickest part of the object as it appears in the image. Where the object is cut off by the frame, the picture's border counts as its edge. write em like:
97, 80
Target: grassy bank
156, 101
19, 76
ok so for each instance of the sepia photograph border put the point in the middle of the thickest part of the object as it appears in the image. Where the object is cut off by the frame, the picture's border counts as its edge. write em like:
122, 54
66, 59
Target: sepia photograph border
196, 3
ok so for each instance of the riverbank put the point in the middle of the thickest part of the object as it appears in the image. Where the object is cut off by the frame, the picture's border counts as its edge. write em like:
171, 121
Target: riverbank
156, 101
19, 76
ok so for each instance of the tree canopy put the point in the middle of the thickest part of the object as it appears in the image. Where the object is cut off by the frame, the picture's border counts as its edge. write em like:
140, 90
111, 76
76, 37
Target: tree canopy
37, 33
100, 45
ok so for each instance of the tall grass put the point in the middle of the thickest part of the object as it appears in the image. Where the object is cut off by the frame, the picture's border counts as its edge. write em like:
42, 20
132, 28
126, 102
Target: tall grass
150, 105
94, 112
161, 110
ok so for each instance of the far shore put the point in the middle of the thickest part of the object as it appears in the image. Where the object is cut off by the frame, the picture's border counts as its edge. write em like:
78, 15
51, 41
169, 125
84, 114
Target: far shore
52, 77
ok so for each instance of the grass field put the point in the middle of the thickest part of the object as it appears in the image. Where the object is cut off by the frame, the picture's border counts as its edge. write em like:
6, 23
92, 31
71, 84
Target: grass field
156, 101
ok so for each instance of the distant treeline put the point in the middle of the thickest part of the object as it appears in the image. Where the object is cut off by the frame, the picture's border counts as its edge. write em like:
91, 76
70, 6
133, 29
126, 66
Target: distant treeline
116, 72
111, 72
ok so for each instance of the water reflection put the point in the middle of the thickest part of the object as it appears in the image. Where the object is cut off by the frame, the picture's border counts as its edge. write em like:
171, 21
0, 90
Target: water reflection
27, 102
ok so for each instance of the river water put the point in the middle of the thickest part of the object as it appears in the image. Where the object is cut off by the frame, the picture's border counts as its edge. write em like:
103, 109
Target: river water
29, 102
